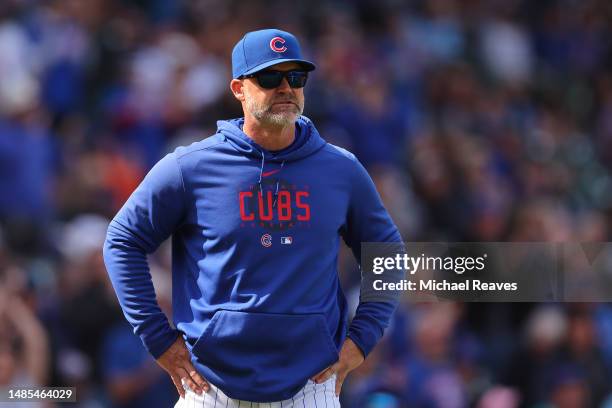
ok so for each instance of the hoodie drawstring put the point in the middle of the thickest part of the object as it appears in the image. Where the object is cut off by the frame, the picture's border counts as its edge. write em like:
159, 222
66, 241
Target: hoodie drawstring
263, 161
277, 181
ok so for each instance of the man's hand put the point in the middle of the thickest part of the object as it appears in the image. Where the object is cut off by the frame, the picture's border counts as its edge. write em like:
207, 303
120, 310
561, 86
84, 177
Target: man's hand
350, 358
177, 362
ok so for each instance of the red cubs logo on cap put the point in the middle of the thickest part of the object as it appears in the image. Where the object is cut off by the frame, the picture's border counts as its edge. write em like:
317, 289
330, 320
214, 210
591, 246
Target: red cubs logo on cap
274, 44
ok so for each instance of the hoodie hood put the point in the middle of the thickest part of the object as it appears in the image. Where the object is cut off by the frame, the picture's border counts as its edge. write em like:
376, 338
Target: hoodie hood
308, 141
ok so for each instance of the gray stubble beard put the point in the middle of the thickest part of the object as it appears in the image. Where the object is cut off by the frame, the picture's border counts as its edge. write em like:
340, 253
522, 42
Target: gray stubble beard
265, 115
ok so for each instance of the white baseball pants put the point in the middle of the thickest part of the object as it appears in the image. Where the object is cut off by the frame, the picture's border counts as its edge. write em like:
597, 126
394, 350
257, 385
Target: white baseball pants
311, 396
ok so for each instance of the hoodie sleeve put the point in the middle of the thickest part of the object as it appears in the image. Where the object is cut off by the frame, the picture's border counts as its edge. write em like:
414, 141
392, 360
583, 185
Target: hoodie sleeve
150, 215
368, 221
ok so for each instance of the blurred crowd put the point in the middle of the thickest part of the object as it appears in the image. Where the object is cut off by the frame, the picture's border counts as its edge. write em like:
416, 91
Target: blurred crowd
479, 120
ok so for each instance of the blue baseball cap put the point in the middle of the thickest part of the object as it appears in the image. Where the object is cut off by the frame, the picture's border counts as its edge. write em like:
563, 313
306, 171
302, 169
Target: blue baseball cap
261, 49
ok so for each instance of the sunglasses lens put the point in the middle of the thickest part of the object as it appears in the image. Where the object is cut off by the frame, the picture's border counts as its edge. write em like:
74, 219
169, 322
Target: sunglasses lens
297, 79
269, 79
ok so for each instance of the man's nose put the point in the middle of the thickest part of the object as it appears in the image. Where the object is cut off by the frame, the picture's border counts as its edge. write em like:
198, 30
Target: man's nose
284, 86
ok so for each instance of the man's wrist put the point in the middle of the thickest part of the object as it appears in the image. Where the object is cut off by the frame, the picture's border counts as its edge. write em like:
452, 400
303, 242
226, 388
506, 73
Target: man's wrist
359, 347
160, 346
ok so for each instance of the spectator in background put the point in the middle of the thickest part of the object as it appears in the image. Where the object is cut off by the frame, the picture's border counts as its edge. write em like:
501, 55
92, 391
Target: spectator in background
27, 147
569, 389
24, 349
534, 365
131, 376
26, 155
580, 351
432, 380
87, 308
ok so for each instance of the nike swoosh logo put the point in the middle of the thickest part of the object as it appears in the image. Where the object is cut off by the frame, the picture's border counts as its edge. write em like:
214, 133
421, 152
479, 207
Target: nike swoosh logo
269, 173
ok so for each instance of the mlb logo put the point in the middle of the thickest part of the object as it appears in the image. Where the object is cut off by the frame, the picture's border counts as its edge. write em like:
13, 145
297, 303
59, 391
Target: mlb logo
286, 240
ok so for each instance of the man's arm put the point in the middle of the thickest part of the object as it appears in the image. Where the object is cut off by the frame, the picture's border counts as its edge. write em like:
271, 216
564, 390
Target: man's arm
367, 221
151, 214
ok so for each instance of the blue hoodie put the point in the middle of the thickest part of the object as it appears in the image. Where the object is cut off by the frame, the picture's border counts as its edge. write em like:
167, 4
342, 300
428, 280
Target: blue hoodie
255, 239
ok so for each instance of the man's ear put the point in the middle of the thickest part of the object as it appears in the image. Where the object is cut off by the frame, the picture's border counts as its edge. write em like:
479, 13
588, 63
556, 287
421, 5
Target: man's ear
236, 86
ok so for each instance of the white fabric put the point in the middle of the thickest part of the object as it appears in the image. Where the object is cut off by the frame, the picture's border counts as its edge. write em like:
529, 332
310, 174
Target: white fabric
311, 396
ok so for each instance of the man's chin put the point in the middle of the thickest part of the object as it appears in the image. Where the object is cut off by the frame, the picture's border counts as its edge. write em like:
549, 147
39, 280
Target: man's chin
283, 119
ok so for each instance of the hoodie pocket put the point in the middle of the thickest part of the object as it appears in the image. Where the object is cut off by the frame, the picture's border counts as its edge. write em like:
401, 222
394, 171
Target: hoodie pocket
271, 354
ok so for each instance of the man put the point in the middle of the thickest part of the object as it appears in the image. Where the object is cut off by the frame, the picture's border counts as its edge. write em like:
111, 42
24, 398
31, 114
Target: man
256, 212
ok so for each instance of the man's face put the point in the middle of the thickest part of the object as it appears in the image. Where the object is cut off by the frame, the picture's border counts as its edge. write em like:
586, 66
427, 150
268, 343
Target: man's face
280, 106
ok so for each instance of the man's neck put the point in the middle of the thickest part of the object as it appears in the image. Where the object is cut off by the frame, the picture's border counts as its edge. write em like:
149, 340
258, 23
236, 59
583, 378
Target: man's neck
271, 138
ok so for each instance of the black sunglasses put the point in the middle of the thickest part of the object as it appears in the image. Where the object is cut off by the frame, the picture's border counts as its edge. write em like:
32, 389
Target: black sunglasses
272, 79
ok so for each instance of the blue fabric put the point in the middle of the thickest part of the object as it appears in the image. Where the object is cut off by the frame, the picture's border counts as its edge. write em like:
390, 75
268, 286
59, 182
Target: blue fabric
27, 168
256, 293
62, 87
